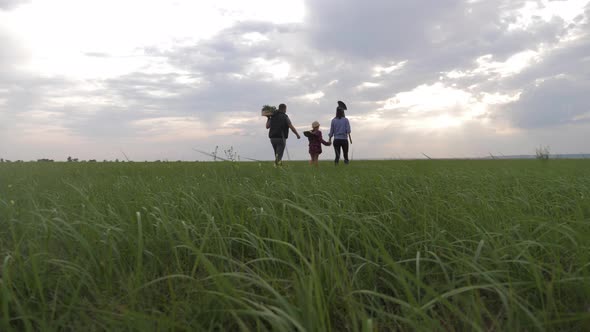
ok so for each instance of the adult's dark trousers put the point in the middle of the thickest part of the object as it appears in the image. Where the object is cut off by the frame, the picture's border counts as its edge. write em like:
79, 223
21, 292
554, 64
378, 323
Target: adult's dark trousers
278, 145
340, 144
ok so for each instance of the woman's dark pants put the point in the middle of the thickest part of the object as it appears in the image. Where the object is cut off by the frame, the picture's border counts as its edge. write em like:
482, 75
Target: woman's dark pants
341, 143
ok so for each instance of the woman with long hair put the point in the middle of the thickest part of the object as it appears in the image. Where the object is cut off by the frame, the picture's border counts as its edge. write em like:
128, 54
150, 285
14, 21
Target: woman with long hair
340, 130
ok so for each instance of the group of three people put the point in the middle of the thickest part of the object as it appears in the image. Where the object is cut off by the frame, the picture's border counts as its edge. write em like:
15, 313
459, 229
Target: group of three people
278, 126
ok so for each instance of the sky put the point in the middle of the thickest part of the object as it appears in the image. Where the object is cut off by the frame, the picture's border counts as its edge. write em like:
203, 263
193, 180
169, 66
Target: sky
160, 79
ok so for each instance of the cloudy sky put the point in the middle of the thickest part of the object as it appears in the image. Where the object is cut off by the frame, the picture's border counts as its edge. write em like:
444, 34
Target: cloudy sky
156, 79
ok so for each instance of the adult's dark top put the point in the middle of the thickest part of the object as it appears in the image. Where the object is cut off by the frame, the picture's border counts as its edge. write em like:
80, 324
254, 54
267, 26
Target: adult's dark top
279, 125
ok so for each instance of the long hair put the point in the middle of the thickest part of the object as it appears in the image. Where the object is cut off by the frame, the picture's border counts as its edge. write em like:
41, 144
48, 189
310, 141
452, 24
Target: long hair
340, 113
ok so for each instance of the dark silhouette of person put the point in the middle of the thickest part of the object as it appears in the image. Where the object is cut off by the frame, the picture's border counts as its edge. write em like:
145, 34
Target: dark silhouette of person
278, 126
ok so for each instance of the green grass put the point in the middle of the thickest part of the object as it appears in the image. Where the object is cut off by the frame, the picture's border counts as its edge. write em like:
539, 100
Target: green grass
377, 245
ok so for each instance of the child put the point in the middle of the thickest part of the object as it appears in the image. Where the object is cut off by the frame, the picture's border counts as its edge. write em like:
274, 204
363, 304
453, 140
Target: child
315, 142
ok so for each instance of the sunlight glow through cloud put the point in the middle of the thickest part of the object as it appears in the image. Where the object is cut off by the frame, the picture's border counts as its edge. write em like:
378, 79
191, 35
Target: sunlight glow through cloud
439, 106
487, 66
367, 85
379, 70
252, 38
276, 68
427, 98
86, 38
513, 65
312, 97
546, 10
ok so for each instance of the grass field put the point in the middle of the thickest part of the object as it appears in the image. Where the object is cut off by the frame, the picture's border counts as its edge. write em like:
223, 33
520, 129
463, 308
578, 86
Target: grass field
375, 246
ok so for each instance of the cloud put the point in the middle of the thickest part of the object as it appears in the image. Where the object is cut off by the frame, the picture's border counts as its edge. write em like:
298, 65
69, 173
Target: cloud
554, 92
406, 30
11, 4
414, 74
20, 91
12, 55
432, 36
551, 103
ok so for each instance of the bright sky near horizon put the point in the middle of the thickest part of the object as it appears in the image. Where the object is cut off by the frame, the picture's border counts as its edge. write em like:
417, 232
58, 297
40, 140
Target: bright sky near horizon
156, 79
